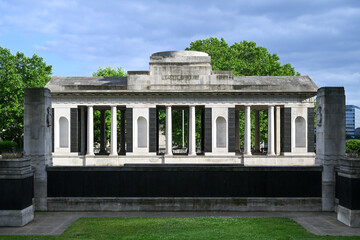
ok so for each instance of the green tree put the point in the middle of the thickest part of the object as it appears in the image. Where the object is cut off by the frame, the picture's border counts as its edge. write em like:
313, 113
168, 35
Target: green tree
353, 146
106, 72
110, 72
244, 59
18, 72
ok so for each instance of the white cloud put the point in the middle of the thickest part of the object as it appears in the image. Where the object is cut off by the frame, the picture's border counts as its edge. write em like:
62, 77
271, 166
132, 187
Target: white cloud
319, 38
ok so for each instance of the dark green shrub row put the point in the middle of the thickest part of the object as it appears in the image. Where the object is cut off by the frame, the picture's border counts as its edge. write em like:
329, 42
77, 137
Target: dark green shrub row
353, 146
8, 146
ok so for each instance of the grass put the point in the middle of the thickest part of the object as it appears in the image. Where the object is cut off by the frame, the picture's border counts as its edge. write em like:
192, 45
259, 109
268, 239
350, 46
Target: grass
183, 228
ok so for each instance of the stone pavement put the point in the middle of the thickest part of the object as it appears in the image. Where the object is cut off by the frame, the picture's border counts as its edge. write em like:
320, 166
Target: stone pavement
55, 223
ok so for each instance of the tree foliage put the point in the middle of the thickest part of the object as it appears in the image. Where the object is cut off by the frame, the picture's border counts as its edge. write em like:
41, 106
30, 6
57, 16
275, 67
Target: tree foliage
107, 72
353, 146
110, 72
18, 72
244, 59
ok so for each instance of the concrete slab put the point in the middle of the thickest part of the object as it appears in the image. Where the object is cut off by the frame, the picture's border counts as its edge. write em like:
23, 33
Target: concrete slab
55, 223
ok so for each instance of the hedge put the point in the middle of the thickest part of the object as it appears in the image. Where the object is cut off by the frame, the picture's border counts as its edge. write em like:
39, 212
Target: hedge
353, 146
8, 146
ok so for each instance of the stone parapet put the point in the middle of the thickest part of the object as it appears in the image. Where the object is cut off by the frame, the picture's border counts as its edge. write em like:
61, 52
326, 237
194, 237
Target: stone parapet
17, 168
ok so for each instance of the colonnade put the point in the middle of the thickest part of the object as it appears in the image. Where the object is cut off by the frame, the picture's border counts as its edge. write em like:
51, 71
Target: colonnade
90, 131
192, 131
273, 131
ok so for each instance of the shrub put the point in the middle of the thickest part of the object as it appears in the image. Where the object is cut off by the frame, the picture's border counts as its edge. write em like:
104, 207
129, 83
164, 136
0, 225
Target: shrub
8, 146
353, 146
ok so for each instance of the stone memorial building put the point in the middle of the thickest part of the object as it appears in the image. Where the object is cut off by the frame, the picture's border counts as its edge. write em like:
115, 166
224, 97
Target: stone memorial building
182, 80
179, 137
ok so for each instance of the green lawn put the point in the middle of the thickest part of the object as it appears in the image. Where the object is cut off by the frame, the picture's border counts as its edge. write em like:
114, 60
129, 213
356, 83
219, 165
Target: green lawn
184, 228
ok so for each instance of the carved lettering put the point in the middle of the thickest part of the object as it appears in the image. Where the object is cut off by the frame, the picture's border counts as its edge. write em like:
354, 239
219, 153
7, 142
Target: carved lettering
318, 116
49, 117
180, 77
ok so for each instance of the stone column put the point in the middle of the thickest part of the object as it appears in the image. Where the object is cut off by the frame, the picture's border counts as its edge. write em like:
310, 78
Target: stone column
330, 138
247, 135
90, 131
37, 139
113, 140
271, 131
102, 132
168, 150
82, 130
237, 132
277, 145
192, 132
257, 131
122, 132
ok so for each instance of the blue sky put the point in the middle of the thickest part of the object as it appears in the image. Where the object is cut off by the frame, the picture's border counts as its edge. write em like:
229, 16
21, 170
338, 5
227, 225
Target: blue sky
320, 38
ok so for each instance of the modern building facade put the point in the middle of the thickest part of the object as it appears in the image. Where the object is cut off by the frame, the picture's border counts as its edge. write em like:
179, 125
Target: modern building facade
183, 80
352, 120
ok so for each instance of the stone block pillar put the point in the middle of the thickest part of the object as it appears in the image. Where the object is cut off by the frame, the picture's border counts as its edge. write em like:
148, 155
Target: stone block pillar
257, 131
37, 139
330, 138
102, 132
16, 192
277, 127
122, 132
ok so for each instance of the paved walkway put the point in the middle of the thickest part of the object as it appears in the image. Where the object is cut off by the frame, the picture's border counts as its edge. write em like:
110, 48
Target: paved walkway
55, 223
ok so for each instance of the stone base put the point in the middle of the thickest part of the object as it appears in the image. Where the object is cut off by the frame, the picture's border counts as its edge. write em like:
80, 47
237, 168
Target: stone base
349, 217
16, 218
251, 160
184, 204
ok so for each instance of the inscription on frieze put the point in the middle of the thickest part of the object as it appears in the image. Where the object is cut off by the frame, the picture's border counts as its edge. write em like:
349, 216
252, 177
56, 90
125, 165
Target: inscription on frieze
180, 77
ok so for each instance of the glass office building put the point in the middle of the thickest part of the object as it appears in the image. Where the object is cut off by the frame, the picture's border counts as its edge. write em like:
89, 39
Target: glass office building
352, 120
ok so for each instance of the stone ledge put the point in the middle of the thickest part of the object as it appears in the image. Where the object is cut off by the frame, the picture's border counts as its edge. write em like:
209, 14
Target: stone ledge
17, 168
184, 167
184, 204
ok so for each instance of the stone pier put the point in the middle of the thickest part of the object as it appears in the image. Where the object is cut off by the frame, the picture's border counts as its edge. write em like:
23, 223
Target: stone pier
37, 136
330, 139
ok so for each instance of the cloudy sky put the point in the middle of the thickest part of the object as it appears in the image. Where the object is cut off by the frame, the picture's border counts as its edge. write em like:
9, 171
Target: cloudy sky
320, 38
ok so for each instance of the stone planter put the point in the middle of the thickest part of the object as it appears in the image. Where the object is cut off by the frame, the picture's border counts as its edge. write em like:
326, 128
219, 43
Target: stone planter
349, 192
16, 192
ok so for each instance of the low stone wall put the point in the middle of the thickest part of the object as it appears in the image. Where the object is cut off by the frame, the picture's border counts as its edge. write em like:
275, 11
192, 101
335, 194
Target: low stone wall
184, 188
184, 204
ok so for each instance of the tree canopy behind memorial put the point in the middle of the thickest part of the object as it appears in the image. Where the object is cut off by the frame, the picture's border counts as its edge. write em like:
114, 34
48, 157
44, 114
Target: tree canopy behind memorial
243, 58
110, 72
106, 72
18, 72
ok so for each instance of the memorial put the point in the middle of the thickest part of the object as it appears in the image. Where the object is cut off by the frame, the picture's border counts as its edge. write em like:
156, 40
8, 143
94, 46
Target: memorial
211, 100
112, 143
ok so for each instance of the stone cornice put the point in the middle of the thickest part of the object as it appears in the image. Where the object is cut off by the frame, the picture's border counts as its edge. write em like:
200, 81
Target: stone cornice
122, 94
